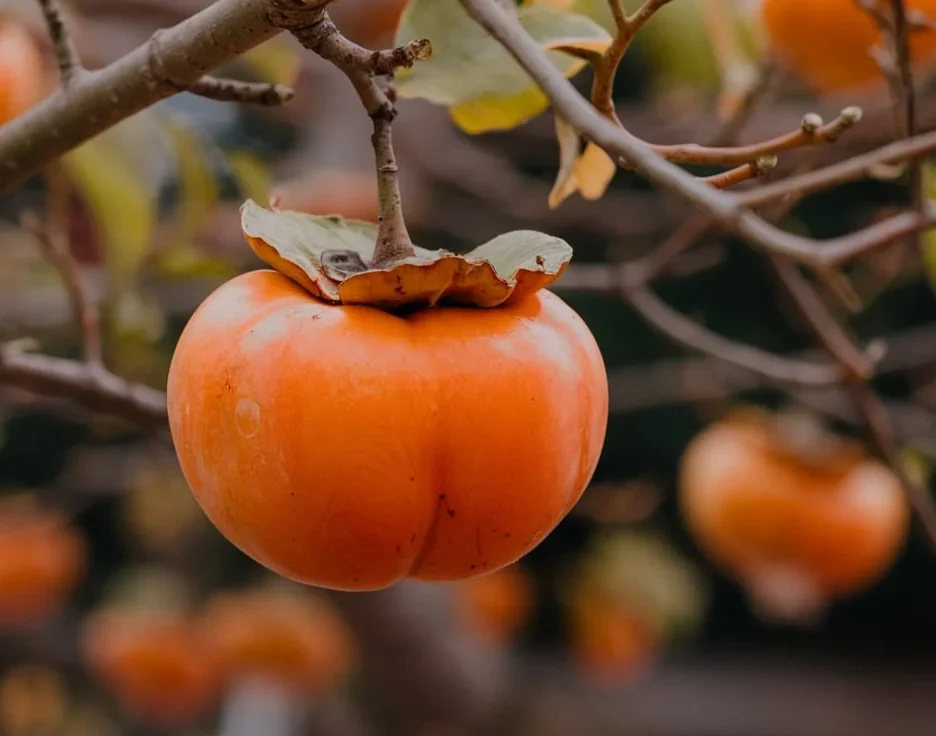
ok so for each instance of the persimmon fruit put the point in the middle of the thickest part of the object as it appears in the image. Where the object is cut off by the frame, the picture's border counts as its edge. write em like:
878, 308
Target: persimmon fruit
42, 559
609, 641
155, 664
496, 606
22, 70
811, 529
296, 642
349, 447
830, 43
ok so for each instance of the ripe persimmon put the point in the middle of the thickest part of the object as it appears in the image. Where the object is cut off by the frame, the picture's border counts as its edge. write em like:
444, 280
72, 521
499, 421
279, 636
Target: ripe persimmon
155, 664
795, 525
297, 642
609, 641
372, 26
42, 559
830, 44
496, 606
22, 70
349, 447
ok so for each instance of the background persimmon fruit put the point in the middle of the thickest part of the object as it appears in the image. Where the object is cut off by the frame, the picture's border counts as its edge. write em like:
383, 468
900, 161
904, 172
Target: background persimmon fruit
830, 43
42, 559
496, 606
22, 70
295, 641
350, 447
154, 663
822, 527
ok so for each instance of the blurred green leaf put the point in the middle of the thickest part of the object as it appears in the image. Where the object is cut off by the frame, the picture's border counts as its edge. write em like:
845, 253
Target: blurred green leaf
276, 61
472, 75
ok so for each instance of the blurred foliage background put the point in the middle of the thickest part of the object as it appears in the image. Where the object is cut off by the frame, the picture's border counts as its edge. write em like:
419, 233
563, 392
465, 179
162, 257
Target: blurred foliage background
155, 225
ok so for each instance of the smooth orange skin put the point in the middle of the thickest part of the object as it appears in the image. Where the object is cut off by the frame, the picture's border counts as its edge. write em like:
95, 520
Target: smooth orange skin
298, 644
496, 606
42, 559
609, 642
828, 43
22, 73
751, 507
346, 447
155, 665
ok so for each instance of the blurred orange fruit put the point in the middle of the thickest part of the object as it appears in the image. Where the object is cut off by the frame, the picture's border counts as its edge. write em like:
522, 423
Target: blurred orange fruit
818, 518
22, 72
297, 642
496, 606
155, 664
42, 559
830, 43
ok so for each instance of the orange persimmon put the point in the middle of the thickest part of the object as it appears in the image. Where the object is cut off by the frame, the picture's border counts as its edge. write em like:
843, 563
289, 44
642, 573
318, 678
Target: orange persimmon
22, 70
155, 664
349, 447
42, 559
609, 641
830, 43
297, 642
496, 606
797, 528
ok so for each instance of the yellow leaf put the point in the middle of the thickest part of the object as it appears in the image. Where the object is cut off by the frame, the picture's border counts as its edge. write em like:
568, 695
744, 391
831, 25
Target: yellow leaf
252, 175
276, 61
471, 73
589, 173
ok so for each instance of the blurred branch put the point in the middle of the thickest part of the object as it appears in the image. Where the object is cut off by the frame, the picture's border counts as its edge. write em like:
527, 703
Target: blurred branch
232, 90
65, 52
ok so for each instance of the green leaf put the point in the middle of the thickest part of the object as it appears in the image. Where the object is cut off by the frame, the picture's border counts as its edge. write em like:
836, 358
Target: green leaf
929, 236
470, 72
328, 256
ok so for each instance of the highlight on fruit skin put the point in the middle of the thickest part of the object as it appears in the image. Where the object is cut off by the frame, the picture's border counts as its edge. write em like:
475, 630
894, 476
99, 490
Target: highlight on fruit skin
292, 640
799, 518
22, 70
831, 44
496, 607
43, 558
154, 664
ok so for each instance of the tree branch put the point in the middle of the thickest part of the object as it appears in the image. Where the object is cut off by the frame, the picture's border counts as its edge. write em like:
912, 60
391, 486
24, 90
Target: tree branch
233, 90
65, 52
728, 210
171, 60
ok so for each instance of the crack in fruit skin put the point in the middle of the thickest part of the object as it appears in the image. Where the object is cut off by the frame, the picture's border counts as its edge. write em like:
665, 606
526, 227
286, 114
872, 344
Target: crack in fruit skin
346, 447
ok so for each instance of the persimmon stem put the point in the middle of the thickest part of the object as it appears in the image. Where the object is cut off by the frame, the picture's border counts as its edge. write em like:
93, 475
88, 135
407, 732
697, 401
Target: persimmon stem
361, 66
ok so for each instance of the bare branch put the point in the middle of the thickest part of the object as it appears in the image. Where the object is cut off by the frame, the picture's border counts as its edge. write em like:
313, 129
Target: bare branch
88, 384
361, 66
233, 90
728, 210
65, 52
171, 60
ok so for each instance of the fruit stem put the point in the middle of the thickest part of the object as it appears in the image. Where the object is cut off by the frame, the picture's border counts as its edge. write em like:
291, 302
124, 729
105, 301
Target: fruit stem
393, 239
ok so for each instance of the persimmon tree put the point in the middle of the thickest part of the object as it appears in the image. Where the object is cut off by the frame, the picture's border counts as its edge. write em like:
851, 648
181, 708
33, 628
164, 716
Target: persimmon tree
494, 65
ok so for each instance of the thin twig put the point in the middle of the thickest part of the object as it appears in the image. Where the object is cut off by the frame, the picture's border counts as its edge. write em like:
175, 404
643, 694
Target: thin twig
65, 52
870, 408
361, 66
233, 90
728, 210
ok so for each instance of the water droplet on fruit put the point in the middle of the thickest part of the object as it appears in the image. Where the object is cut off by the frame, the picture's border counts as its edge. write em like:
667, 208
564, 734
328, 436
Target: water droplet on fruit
247, 417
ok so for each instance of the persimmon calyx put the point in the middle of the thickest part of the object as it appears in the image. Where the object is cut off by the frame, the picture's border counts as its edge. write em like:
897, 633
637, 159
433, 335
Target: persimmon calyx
329, 256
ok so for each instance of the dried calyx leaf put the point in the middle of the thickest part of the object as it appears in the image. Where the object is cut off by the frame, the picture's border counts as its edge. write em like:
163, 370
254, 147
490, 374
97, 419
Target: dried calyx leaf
330, 257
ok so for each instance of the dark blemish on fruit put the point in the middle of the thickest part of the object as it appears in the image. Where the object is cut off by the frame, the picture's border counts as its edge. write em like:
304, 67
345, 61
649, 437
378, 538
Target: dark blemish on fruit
412, 478
473, 567
399, 549
450, 512
412, 539
506, 535
441, 496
